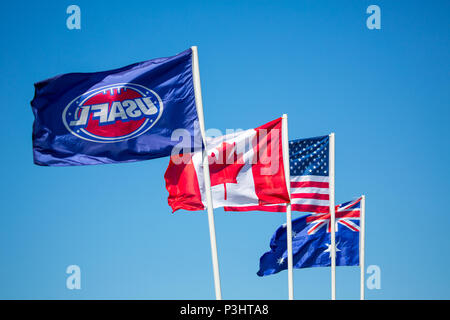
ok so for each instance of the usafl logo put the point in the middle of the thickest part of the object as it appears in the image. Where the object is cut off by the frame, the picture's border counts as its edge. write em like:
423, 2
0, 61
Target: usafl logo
113, 113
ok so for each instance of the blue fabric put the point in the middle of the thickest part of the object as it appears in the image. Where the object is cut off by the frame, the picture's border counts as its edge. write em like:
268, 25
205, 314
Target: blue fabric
312, 250
122, 115
309, 156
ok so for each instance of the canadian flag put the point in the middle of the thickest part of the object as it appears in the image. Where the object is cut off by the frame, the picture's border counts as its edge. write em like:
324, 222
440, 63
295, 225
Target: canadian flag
246, 168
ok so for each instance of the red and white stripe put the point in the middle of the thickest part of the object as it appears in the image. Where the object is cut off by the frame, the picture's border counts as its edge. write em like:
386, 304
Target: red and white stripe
310, 194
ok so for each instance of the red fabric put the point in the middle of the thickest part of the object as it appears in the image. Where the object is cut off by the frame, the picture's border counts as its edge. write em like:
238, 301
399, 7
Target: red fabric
227, 168
270, 189
268, 172
182, 185
309, 184
119, 128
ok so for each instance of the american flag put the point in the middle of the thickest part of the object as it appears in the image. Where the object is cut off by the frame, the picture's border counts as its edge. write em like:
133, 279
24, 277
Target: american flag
347, 215
308, 160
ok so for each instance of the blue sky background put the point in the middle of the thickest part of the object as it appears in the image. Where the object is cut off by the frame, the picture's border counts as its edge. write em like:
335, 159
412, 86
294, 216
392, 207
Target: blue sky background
385, 93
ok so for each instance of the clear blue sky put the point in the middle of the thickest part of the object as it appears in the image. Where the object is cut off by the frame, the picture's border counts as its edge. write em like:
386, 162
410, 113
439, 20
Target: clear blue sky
385, 93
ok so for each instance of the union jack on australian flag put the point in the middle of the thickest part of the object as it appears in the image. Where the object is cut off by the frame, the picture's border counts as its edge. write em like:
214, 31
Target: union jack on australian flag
311, 241
346, 214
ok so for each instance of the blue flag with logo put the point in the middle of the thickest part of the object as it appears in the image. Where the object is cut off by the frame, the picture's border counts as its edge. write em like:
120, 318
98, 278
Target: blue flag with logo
311, 241
122, 115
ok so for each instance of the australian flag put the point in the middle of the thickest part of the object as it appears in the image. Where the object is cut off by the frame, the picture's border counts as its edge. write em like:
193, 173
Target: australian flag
311, 241
121, 115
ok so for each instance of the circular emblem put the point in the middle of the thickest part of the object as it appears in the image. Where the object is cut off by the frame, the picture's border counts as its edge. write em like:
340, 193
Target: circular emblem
113, 113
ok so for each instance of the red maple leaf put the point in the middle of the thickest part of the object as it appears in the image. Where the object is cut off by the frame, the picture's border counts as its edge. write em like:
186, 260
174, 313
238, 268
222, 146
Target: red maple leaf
225, 167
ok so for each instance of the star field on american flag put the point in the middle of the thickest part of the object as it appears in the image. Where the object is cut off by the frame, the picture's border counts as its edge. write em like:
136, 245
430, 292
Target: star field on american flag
309, 156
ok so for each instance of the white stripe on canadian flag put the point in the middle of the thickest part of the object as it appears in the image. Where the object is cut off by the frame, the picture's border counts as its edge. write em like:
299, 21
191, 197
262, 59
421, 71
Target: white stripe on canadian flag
242, 192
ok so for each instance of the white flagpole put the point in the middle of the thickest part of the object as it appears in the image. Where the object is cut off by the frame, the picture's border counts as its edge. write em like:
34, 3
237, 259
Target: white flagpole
362, 248
212, 230
333, 218
286, 164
